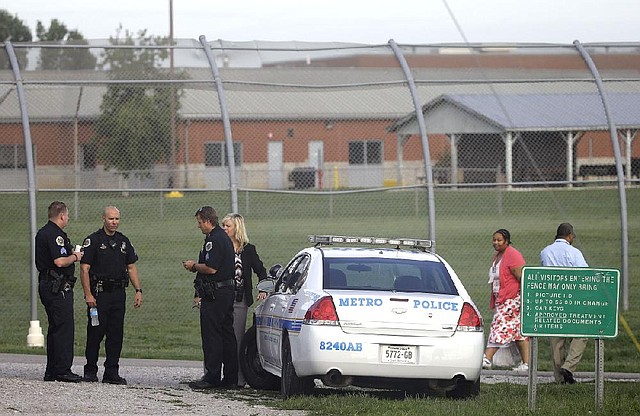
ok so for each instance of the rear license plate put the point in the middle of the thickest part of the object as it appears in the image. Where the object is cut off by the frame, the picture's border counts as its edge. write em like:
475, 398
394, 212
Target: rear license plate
402, 354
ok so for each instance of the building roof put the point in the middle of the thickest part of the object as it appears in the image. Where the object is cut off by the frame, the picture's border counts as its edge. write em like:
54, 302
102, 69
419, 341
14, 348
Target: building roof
500, 112
306, 93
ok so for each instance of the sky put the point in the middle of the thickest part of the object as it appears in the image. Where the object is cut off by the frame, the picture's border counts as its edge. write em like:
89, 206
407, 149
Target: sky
359, 21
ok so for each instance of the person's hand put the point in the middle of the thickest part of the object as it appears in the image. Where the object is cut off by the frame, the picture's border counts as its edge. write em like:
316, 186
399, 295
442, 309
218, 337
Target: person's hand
196, 302
91, 301
137, 300
262, 295
188, 264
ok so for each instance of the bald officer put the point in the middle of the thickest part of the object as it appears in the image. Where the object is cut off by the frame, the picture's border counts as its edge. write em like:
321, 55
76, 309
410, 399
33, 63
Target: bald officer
106, 270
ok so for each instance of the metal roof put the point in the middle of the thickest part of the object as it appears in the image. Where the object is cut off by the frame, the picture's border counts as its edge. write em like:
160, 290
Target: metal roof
345, 94
500, 112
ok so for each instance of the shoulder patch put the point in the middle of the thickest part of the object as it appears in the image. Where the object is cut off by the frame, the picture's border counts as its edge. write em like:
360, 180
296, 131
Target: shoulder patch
86, 243
60, 241
208, 246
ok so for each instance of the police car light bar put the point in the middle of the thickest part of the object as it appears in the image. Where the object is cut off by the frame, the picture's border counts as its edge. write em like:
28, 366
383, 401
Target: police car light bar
343, 239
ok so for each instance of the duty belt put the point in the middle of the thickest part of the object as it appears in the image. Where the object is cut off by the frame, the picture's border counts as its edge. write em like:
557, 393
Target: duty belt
108, 285
51, 274
224, 283
59, 282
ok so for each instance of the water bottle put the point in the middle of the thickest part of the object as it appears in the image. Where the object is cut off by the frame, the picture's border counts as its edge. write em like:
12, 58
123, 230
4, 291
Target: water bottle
93, 313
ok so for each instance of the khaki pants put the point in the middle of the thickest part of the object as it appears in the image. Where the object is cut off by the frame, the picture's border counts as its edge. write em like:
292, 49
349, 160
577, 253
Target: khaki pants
573, 355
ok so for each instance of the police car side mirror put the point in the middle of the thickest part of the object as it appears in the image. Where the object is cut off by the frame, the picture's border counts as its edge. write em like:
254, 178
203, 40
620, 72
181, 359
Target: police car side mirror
273, 271
266, 285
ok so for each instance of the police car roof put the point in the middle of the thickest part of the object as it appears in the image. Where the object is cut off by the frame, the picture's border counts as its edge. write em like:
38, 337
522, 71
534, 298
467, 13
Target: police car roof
368, 252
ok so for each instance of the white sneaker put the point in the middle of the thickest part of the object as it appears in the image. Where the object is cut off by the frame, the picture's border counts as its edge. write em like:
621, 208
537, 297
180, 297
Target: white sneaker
485, 362
522, 367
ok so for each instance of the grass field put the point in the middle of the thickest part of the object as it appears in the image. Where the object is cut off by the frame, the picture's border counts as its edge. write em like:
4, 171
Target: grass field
620, 398
164, 233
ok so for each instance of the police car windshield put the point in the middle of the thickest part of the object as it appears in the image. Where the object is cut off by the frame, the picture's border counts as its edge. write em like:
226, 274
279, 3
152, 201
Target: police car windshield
379, 274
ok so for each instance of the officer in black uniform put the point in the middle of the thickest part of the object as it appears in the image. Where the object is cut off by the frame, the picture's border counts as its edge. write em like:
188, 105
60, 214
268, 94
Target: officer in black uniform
215, 293
55, 260
106, 269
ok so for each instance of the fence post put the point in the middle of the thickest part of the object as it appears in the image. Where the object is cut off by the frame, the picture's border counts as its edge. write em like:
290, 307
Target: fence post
621, 191
423, 136
224, 114
33, 339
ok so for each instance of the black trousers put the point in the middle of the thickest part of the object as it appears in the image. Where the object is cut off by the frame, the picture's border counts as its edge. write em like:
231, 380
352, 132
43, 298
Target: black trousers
218, 338
60, 333
111, 310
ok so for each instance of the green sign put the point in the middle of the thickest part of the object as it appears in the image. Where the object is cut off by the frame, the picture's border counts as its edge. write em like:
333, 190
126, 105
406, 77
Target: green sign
569, 302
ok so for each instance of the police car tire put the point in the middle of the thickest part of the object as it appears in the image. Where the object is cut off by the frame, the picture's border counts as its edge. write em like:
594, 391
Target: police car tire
291, 384
256, 376
465, 389
418, 389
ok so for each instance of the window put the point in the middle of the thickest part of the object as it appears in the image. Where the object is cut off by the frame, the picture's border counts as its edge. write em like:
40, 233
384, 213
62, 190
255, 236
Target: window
12, 156
215, 154
89, 156
365, 152
375, 274
294, 275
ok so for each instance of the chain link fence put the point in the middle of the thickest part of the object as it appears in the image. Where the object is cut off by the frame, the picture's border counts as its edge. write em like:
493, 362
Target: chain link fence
320, 138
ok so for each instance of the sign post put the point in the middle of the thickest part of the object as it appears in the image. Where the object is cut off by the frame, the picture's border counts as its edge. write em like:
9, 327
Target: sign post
571, 302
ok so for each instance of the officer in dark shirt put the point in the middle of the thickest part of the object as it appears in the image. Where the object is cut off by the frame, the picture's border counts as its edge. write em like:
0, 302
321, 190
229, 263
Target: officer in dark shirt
55, 260
106, 269
215, 293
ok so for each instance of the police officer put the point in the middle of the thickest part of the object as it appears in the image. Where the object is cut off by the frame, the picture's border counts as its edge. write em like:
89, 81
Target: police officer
55, 260
215, 293
106, 269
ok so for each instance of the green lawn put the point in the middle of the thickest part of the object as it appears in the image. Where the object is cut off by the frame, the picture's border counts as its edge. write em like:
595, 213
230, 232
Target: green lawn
164, 233
620, 398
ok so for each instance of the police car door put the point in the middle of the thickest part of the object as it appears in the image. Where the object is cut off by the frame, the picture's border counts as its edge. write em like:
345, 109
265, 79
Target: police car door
285, 301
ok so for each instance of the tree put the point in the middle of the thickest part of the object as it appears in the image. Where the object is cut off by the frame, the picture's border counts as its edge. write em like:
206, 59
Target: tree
13, 29
133, 132
63, 58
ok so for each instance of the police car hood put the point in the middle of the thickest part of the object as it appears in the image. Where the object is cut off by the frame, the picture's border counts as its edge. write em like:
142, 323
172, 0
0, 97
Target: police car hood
403, 314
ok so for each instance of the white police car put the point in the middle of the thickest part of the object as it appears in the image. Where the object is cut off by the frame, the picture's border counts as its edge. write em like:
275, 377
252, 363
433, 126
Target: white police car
365, 311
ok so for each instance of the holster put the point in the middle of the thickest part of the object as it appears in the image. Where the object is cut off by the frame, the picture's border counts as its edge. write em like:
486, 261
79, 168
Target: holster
60, 282
205, 289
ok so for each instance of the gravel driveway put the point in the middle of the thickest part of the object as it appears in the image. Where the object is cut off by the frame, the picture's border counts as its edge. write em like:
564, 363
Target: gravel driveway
154, 387
160, 387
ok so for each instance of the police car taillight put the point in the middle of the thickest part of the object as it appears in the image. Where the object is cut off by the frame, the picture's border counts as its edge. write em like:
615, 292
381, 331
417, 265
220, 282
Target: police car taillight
322, 312
470, 319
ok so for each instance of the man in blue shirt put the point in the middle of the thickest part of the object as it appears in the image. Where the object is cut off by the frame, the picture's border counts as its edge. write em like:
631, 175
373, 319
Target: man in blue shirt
561, 253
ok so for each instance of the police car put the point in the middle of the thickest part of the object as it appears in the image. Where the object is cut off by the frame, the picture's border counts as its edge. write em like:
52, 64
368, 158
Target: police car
365, 311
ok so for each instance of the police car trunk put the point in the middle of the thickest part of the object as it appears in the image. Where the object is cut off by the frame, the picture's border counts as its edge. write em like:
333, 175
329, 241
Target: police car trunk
379, 316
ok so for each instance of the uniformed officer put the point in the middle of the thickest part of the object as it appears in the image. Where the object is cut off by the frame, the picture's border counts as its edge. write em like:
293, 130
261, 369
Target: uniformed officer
106, 270
215, 292
55, 260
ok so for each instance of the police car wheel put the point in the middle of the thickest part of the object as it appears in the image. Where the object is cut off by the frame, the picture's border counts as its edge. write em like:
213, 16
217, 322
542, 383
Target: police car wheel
256, 376
418, 389
465, 389
291, 384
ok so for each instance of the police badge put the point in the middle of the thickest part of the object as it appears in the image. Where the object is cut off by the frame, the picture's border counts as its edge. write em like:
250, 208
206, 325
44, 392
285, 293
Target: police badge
60, 241
208, 246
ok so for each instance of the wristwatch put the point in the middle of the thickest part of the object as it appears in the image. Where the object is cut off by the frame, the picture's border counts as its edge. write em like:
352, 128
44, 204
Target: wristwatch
139, 290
